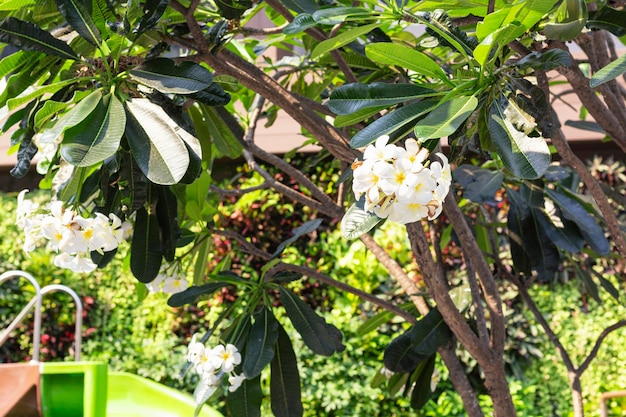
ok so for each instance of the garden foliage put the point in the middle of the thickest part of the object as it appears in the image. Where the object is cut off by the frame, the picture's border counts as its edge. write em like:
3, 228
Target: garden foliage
128, 106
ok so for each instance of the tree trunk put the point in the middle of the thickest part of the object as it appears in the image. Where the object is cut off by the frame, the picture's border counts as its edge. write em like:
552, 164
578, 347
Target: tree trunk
498, 387
577, 395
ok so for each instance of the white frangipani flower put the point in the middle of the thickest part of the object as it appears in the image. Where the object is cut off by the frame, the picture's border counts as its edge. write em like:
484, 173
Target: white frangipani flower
225, 357
400, 183
212, 365
73, 236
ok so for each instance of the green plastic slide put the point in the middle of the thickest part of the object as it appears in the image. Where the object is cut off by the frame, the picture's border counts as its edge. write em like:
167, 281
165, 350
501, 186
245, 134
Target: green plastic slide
86, 389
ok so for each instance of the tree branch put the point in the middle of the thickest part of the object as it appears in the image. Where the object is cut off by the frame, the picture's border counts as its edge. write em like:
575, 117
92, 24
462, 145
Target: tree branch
596, 347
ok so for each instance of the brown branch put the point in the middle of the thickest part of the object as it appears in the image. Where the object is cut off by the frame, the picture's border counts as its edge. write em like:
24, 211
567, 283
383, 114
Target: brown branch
487, 281
244, 244
596, 347
312, 273
448, 355
248, 31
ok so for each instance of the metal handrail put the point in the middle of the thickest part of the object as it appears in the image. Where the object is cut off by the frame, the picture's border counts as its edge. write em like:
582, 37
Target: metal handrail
79, 314
36, 301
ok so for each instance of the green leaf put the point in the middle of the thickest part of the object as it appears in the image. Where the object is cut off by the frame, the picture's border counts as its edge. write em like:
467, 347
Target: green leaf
78, 15
25, 154
167, 213
334, 15
203, 251
399, 120
350, 98
26, 36
285, 391
356, 117
609, 72
609, 19
589, 227
342, 39
213, 95
479, 185
96, 137
300, 23
445, 119
261, 343
152, 12
525, 156
301, 6
12, 63
72, 117
422, 392
164, 75
545, 61
37, 92
321, 337
304, 229
223, 137
246, 401
567, 237
357, 222
569, 20
160, 152
590, 286
145, 248
388, 53
191, 294
518, 214
418, 344
15, 4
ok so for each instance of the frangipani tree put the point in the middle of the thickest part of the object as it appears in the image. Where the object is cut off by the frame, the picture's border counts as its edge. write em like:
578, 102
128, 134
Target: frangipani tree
129, 105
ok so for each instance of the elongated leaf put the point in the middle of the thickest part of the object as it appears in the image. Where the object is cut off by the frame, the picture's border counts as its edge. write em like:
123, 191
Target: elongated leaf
304, 229
96, 137
152, 12
27, 36
357, 222
285, 391
12, 63
398, 120
15, 4
609, 72
350, 98
609, 19
301, 6
589, 227
395, 54
479, 184
518, 215
550, 59
356, 117
164, 75
422, 392
78, 15
590, 286
191, 294
223, 137
400, 356
525, 156
334, 15
446, 118
321, 337
246, 401
261, 343
341, 40
213, 95
300, 23
145, 250
16, 102
201, 264
566, 238
167, 213
159, 151
27, 150
73, 117
418, 344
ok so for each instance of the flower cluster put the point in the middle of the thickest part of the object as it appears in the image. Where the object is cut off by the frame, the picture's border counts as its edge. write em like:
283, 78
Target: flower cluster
68, 233
400, 183
212, 364
170, 280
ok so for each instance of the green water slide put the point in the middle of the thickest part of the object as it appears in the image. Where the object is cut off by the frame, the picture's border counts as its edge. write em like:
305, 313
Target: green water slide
80, 388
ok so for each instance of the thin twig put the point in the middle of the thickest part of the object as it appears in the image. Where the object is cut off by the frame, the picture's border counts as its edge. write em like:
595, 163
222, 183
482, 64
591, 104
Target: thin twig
594, 351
